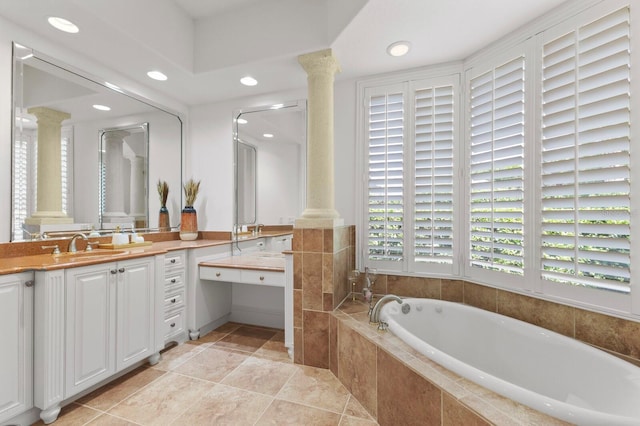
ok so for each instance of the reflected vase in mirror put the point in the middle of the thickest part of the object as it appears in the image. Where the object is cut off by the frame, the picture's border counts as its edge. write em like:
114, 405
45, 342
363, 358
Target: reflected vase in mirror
163, 219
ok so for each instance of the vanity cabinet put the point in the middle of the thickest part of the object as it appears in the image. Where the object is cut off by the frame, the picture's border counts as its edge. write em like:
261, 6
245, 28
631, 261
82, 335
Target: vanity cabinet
91, 322
174, 318
16, 356
109, 320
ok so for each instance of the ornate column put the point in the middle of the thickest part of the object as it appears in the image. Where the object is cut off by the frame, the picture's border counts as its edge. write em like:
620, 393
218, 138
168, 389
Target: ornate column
320, 212
114, 208
49, 181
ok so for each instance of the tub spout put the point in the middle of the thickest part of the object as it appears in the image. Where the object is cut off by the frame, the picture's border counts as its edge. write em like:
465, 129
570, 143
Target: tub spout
374, 317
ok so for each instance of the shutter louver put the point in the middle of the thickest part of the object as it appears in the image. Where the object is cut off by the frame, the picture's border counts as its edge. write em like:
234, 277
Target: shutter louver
386, 177
434, 175
497, 168
585, 157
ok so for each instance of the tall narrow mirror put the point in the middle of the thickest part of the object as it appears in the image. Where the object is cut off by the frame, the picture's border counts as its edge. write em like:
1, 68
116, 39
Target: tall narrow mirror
270, 163
59, 174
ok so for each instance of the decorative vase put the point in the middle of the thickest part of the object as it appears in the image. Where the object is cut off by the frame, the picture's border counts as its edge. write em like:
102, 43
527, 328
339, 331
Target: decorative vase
189, 224
163, 219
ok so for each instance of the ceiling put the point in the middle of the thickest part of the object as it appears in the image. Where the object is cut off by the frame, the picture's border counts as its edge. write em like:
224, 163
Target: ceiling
206, 46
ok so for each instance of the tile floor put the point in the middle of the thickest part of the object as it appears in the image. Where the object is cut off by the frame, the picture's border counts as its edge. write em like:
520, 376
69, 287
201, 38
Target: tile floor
235, 375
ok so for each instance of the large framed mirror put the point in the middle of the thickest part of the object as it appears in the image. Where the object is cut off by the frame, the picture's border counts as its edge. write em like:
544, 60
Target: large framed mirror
62, 115
270, 163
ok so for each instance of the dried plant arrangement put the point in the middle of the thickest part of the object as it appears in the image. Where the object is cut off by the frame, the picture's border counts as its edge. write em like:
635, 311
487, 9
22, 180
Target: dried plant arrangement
163, 192
191, 189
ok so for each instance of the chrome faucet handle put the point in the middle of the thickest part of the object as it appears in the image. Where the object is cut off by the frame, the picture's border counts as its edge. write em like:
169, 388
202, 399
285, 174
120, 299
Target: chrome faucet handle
383, 326
55, 247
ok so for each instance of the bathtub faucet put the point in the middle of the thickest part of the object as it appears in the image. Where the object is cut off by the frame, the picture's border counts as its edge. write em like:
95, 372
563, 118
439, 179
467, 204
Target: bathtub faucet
374, 316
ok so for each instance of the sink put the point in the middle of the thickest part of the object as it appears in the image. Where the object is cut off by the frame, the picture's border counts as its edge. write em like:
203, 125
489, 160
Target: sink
85, 255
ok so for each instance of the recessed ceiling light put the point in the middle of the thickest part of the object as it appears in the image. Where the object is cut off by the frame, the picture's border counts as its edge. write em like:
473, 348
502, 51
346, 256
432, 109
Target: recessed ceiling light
248, 81
268, 135
102, 107
399, 48
157, 75
242, 121
63, 25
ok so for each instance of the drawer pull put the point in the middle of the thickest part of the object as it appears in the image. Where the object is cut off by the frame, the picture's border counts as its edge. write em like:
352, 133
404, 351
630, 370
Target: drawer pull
173, 261
121, 270
173, 280
173, 324
113, 271
173, 300
217, 274
261, 278
28, 283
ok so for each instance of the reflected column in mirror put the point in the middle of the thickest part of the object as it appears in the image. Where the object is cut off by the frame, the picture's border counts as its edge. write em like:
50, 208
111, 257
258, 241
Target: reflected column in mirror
246, 175
123, 177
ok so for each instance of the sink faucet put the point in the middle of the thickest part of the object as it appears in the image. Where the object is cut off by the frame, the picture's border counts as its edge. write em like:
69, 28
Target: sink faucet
72, 243
374, 316
257, 228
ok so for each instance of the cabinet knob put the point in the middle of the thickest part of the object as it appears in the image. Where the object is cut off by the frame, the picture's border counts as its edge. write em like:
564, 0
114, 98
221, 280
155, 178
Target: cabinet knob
261, 278
173, 324
121, 270
173, 280
173, 300
217, 274
173, 261
28, 283
113, 271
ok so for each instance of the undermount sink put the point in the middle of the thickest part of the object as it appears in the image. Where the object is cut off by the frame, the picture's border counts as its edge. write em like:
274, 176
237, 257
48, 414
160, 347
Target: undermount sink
84, 255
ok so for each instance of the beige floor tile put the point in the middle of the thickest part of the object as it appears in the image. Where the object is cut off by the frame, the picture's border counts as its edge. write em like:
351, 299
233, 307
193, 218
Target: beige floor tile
316, 387
163, 400
246, 338
274, 349
260, 375
109, 420
211, 364
289, 413
177, 355
73, 415
356, 421
355, 409
112, 393
226, 405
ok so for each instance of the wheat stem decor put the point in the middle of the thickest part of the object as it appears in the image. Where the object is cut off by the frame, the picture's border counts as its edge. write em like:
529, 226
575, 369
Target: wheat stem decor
163, 192
191, 189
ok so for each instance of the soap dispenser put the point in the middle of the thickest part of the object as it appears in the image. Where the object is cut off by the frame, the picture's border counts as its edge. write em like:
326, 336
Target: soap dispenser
118, 238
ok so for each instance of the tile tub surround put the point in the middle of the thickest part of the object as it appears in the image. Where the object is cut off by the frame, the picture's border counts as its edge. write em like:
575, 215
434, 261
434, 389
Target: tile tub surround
321, 261
398, 385
237, 375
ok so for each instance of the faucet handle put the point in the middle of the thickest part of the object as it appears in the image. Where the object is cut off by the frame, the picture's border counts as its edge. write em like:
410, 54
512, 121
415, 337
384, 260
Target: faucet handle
90, 245
55, 247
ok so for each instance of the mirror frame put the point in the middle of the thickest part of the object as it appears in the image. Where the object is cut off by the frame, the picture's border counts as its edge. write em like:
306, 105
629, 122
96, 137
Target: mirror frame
63, 66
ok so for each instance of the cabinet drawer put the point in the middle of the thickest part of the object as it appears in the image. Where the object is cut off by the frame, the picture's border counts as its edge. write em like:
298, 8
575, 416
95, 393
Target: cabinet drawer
174, 260
219, 274
263, 278
174, 324
173, 281
175, 300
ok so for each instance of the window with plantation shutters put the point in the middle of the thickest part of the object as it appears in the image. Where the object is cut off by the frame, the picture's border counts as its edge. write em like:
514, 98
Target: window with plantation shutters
433, 195
20, 186
585, 219
497, 168
385, 196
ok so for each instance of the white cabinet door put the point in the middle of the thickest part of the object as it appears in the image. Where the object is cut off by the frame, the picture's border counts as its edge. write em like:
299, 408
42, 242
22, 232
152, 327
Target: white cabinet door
90, 325
16, 355
135, 329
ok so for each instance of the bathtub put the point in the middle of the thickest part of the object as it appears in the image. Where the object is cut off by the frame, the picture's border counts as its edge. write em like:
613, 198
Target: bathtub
544, 370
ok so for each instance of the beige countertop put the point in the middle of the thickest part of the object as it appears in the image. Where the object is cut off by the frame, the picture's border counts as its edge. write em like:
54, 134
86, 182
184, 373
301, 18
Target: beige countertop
260, 261
15, 263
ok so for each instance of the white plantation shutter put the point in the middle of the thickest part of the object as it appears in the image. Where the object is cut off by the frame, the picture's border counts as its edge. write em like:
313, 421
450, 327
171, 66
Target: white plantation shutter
433, 191
497, 168
20, 186
585, 223
385, 197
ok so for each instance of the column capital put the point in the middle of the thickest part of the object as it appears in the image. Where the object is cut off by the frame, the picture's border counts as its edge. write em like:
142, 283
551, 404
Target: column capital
320, 62
48, 115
